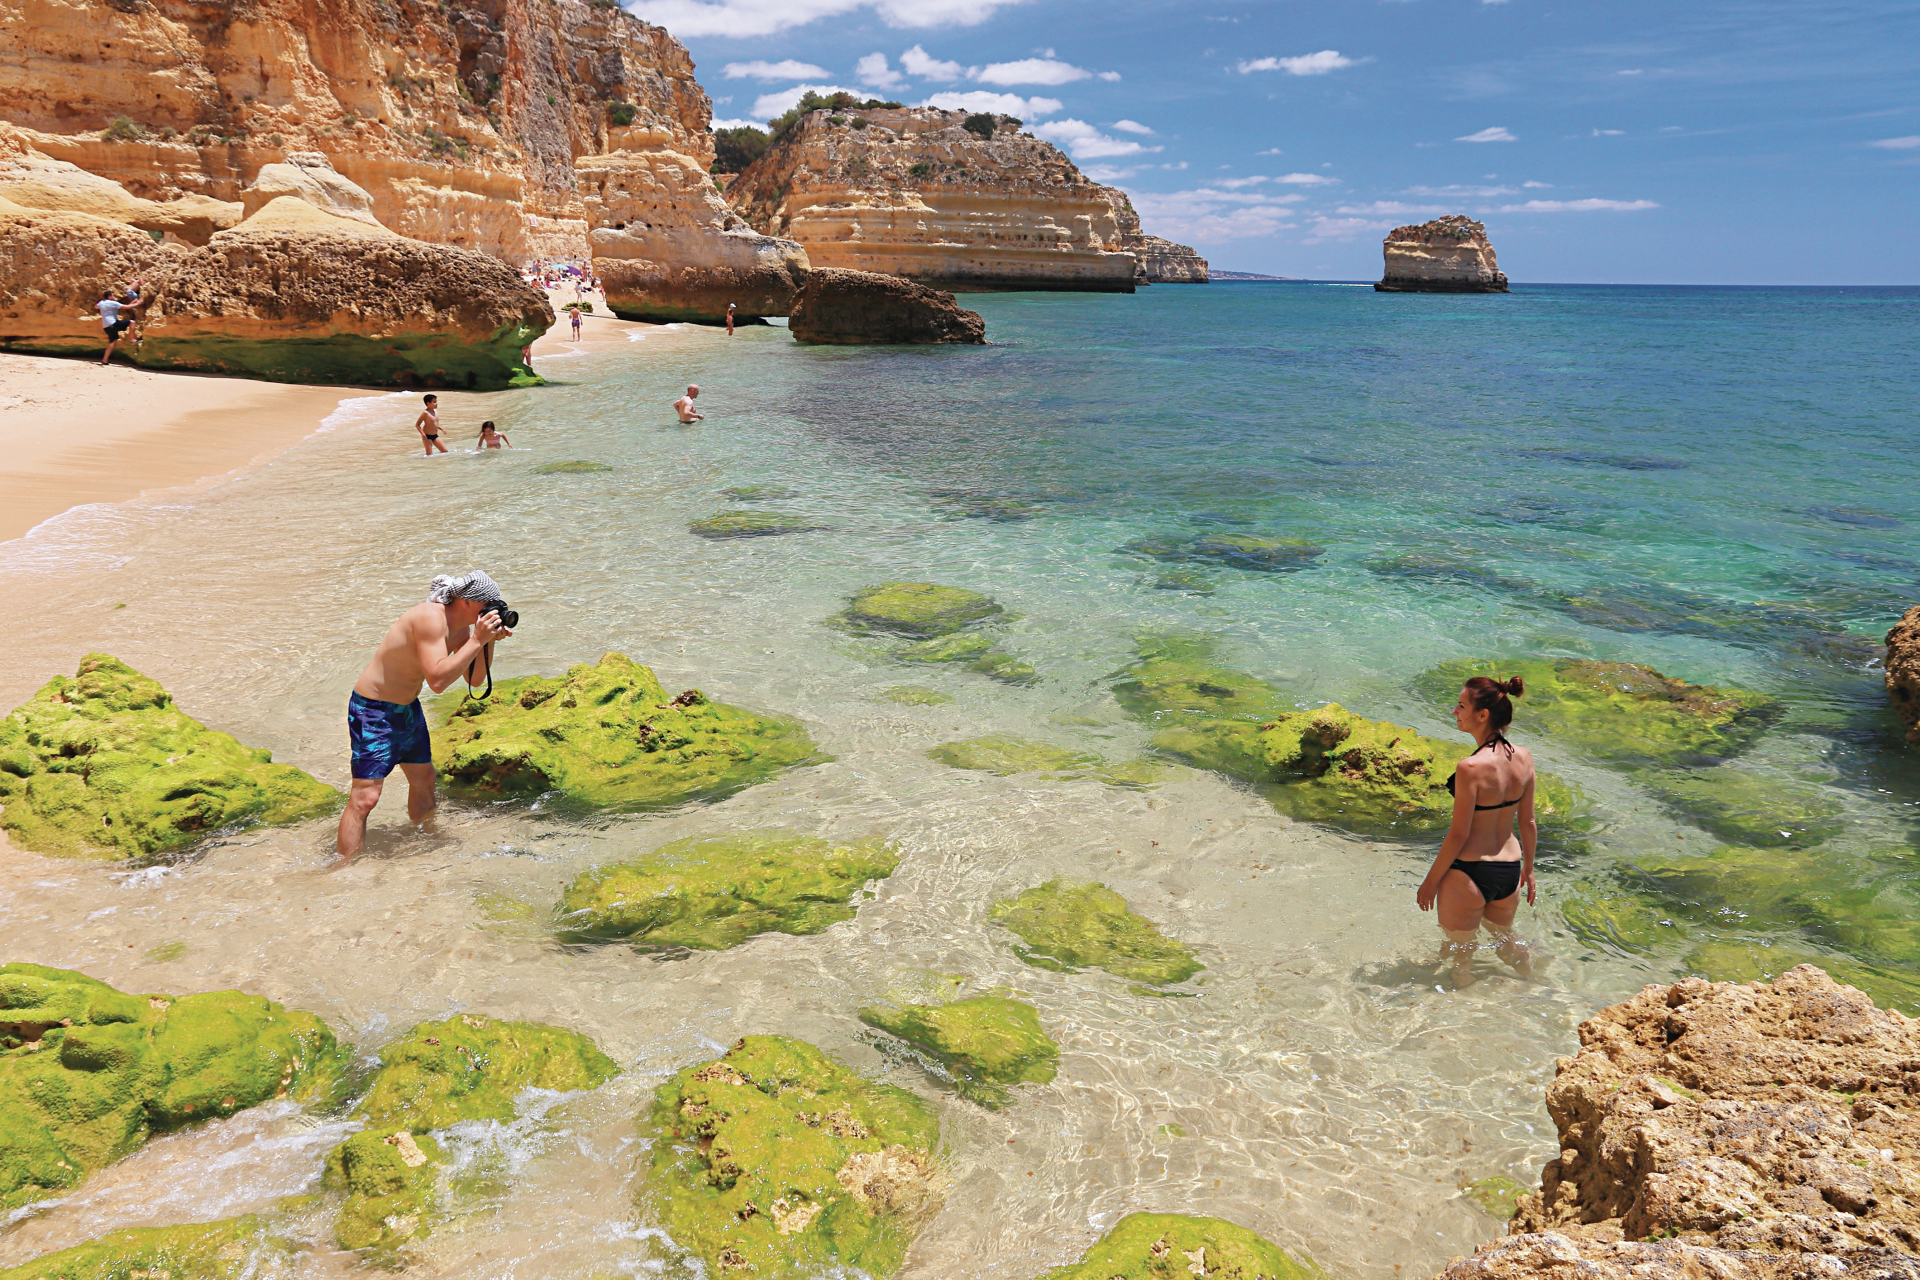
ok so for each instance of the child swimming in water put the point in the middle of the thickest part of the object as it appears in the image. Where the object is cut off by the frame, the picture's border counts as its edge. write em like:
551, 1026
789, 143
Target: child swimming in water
490, 438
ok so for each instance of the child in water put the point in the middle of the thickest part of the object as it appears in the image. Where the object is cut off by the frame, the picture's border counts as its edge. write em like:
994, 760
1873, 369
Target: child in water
490, 438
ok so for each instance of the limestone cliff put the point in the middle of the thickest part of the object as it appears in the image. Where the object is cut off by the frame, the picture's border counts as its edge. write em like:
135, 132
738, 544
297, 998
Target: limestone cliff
910, 192
1160, 261
1447, 255
1732, 1130
1903, 672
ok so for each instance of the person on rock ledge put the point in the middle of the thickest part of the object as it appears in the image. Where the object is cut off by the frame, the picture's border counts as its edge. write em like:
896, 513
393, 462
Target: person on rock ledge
452, 632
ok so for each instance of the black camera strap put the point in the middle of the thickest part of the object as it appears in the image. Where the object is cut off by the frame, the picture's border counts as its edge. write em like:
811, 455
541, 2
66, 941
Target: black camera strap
480, 657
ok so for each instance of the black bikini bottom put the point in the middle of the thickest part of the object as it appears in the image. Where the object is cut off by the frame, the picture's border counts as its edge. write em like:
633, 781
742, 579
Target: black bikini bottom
1494, 880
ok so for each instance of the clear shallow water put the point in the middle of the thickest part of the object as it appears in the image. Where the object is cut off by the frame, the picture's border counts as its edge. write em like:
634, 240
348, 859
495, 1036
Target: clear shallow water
1713, 482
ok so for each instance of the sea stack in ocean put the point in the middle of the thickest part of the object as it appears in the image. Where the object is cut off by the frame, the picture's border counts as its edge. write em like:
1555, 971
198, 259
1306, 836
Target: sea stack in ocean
1447, 255
867, 308
1903, 672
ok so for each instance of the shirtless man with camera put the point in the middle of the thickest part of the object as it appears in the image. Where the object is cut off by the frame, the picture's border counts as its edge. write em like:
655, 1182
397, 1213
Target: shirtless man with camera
434, 643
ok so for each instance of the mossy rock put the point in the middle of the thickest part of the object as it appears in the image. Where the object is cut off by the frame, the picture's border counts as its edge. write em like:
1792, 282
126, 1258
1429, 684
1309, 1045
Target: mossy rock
1135, 775
227, 1250
1069, 925
103, 764
1748, 808
391, 1181
1004, 755
749, 524
1750, 959
1619, 713
1496, 1196
606, 736
1610, 917
711, 893
775, 1160
577, 468
913, 695
1191, 581
1178, 678
87, 1073
985, 1043
919, 609
760, 493
1258, 552
1000, 665
1173, 1246
964, 647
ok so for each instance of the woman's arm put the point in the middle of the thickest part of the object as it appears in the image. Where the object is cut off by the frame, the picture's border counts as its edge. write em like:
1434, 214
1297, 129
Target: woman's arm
1457, 831
1529, 837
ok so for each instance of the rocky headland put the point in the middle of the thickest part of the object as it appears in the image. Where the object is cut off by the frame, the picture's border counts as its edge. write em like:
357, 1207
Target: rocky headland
1446, 255
1903, 672
1158, 261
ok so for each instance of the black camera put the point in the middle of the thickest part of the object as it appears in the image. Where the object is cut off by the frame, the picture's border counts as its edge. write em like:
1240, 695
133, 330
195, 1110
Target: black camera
508, 618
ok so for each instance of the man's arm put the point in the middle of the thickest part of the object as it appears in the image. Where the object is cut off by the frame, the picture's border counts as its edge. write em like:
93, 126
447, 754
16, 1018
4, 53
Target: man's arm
440, 668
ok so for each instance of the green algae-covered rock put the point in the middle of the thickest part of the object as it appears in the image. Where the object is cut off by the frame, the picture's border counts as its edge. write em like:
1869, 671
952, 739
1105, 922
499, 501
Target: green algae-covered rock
1748, 808
104, 764
1178, 678
1068, 925
986, 1043
1608, 916
1173, 1246
760, 492
1496, 1196
577, 468
913, 695
226, 1250
1751, 959
1238, 550
87, 1072
920, 609
775, 1160
391, 1180
1004, 754
976, 651
1619, 713
1191, 581
749, 524
1004, 667
606, 736
710, 893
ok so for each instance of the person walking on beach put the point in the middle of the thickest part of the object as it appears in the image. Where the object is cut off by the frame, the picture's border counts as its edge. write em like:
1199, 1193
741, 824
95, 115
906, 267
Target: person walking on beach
684, 406
428, 425
490, 438
434, 643
729, 319
576, 323
111, 321
1487, 856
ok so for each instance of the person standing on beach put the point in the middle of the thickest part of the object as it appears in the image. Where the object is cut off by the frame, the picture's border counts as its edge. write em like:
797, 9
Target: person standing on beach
433, 643
684, 406
729, 319
428, 425
576, 323
111, 323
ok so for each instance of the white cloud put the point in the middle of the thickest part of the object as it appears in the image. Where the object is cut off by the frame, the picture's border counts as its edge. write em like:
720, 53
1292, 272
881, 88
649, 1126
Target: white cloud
1107, 172
1574, 206
1110, 76
1608, 133
1907, 143
1005, 104
788, 70
1540, 186
1307, 64
1325, 228
1494, 134
739, 124
1270, 151
918, 62
764, 17
1634, 72
1308, 180
1394, 208
1047, 71
1457, 189
873, 71
1084, 142
1209, 216
780, 101
1130, 126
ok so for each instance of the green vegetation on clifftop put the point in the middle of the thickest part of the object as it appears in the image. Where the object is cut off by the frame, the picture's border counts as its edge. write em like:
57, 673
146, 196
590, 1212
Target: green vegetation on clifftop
1173, 1246
104, 764
986, 1043
1068, 925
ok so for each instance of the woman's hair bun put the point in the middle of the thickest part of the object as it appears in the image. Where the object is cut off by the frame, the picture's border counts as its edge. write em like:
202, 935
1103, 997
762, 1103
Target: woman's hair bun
1513, 686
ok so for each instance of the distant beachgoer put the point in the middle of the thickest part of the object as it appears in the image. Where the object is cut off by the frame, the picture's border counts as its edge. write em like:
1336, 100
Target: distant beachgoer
1483, 862
111, 321
428, 425
433, 643
526, 357
490, 438
576, 324
729, 319
684, 406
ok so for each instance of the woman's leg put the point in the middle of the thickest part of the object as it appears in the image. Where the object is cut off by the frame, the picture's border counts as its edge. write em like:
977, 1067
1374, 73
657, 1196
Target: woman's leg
1459, 909
1498, 919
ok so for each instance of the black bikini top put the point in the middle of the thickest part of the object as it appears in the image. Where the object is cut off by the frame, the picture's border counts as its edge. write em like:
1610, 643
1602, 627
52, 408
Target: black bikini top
1504, 804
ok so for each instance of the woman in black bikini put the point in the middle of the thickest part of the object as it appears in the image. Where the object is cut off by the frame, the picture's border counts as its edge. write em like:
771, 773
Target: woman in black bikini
1487, 857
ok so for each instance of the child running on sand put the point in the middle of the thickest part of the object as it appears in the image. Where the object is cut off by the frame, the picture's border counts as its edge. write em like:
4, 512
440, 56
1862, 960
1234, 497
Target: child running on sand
490, 438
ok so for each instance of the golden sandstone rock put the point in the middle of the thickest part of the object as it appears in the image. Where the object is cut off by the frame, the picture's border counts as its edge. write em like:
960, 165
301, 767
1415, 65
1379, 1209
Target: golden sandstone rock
1159, 261
1446, 255
1903, 672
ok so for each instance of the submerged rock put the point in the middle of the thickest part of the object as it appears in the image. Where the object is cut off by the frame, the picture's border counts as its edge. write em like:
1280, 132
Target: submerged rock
1176, 678
1496, 1196
970, 505
749, 524
87, 1073
1004, 754
716, 892
1620, 713
581, 468
1067, 925
760, 492
986, 1043
1749, 808
228, 1250
1162, 1246
775, 1160
605, 735
1260, 552
1446, 255
104, 764
866, 308
1903, 672
919, 609
913, 695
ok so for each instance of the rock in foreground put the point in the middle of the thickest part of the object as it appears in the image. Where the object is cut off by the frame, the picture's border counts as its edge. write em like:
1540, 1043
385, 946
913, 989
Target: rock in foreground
986, 1044
606, 736
1903, 672
710, 894
105, 764
1153, 1246
865, 308
774, 1160
1447, 255
1067, 925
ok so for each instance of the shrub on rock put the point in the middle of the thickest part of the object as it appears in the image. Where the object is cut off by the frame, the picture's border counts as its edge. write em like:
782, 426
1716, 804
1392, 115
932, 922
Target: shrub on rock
1067, 926
606, 736
984, 1044
1174, 1246
104, 764
716, 892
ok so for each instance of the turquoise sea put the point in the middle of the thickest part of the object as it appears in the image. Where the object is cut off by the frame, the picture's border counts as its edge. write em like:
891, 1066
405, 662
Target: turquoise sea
1715, 483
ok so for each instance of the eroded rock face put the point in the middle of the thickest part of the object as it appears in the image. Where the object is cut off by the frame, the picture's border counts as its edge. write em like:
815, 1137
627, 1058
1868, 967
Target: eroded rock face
1159, 261
309, 176
1903, 672
850, 308
908, 192
1447, 255
1743, 1125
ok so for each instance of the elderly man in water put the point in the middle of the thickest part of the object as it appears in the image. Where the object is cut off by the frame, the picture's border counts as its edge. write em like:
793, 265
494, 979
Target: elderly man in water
684, 406
434, 643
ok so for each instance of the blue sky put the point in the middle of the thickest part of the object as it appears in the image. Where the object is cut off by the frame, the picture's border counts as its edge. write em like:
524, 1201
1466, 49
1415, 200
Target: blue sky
1685, 141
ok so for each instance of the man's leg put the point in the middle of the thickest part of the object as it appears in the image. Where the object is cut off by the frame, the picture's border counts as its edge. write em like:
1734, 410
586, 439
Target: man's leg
421, 802
361, 797
107, 356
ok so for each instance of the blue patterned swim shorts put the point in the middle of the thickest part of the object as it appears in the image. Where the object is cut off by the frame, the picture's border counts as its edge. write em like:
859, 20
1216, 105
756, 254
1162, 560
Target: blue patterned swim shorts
385, 734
